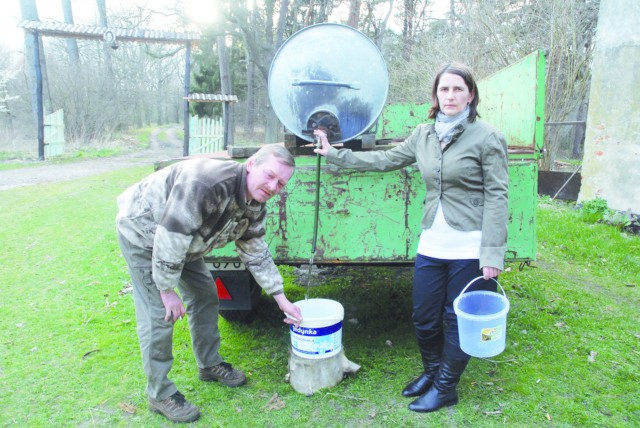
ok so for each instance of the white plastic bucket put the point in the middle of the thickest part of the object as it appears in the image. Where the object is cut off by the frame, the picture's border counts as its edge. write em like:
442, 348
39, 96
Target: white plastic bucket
482, 321
320, 332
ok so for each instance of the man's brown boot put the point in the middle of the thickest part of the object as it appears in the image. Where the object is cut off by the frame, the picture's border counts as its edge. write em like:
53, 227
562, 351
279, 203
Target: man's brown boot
175, 408
223, 373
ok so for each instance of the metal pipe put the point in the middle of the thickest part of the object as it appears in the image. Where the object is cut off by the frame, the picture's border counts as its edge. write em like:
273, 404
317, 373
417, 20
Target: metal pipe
316, 215
567, 182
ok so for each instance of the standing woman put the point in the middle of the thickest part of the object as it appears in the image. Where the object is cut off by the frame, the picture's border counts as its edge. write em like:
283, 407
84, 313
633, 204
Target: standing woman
463, 162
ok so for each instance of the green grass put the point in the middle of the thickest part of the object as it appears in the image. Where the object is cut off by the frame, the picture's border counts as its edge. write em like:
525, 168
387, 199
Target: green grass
73, 156
69, 354
13, 164
142, 135
162, 136
124, 142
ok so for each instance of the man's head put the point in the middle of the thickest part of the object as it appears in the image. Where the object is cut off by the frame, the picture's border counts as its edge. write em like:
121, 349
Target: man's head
268, 171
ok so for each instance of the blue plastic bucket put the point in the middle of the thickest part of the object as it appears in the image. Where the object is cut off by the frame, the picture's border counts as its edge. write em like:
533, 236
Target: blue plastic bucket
482, 321
320, 332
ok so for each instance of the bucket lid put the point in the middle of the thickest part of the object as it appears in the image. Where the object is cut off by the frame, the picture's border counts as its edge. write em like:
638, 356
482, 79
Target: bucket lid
320, 310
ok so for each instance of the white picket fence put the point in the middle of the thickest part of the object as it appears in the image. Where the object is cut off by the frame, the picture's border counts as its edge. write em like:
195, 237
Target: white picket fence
54, 134
206, 135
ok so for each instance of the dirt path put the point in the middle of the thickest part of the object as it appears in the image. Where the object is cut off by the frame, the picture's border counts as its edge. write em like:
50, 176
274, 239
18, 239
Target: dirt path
48, 173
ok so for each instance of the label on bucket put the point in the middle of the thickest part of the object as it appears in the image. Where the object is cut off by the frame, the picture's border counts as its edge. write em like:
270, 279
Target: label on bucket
316, 342
489, 334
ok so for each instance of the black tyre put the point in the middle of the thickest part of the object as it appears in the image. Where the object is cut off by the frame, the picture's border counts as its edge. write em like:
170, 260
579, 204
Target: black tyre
243, 316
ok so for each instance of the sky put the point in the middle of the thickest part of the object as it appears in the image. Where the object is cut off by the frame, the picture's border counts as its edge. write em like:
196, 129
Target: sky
85, 12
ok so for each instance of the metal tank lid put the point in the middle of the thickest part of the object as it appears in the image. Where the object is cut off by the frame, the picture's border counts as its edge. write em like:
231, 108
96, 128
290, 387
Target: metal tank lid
331, 76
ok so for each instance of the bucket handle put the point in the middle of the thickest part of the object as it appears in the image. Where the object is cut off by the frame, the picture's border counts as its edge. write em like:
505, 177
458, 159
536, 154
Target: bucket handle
481, 277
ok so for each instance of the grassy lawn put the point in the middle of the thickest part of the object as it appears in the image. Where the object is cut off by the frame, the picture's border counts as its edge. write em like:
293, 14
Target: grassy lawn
69, 354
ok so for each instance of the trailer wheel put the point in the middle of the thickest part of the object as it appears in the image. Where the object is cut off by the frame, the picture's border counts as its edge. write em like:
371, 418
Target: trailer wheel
239, 295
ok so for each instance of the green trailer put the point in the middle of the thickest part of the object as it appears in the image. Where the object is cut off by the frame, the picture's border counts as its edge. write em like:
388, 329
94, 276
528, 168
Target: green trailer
371, 218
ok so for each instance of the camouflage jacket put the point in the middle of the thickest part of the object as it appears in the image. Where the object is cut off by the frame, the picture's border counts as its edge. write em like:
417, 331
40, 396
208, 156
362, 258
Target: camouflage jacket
182, 212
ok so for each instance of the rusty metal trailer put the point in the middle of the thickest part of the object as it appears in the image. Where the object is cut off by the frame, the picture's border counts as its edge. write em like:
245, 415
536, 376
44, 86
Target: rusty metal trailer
371, 218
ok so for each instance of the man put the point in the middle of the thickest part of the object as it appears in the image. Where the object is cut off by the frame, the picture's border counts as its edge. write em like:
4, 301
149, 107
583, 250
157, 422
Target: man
166, 224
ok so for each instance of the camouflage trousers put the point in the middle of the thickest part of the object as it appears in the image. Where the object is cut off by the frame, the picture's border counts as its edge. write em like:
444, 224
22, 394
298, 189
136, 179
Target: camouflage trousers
200, 297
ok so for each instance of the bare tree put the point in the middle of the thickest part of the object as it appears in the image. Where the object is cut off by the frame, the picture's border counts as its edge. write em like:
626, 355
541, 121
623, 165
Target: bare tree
250, 99
102, 21
263, 38
371, 23
225, 83
7, 74
72, 45
354, 13
491, 34
414, 20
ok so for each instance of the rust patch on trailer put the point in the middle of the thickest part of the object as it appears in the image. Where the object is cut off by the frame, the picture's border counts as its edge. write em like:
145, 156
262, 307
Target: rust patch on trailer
282, 214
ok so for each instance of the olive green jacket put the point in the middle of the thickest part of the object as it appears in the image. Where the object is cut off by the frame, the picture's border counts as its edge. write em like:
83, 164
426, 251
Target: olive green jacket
469, 177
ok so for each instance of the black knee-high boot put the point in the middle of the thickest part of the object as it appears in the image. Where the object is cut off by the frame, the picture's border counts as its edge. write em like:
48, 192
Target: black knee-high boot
443, 391
431, 352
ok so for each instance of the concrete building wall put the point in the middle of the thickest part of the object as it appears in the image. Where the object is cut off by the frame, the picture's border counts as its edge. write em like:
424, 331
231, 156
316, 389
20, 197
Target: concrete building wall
611, 165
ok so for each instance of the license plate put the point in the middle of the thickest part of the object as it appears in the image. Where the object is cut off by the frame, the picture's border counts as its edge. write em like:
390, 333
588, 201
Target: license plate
220, 266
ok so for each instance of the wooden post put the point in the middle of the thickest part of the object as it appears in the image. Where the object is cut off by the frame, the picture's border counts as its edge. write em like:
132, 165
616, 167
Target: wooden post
226, 117
187, 83
38, 89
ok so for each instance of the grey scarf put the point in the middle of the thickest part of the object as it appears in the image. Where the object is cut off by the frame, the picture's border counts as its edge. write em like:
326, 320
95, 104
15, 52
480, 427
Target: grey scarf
445, 125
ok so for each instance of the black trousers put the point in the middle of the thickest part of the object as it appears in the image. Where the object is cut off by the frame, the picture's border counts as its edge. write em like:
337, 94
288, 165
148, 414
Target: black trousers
436, 284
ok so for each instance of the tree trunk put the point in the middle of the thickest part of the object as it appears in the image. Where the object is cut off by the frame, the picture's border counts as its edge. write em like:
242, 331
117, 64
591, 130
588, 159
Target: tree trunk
250, 102
578, 136
282, 23
102, 22
159, 94
271, 134
354, 13
250, 112
225, 83
407, 28
72, 45
383, 26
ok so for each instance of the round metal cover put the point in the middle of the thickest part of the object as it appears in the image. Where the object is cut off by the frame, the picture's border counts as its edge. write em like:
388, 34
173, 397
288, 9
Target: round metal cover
331, 76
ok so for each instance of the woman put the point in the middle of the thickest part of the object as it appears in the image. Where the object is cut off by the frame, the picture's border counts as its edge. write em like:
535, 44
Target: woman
463, 161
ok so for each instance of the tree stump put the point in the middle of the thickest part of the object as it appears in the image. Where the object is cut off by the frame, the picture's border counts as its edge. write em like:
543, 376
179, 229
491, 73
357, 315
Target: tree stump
307, 375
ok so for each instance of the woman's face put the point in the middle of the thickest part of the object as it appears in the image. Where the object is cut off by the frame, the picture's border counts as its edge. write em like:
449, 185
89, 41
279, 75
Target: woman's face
453, 94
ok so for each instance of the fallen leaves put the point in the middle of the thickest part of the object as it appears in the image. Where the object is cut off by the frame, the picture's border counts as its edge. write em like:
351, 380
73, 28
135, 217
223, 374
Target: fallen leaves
127, 408
275, 403
592, 357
